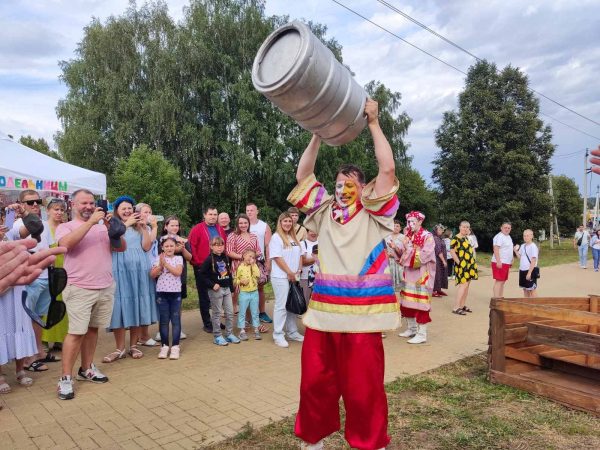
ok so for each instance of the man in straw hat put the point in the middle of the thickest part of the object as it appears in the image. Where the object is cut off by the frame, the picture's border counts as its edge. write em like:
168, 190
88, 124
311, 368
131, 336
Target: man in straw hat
353, 297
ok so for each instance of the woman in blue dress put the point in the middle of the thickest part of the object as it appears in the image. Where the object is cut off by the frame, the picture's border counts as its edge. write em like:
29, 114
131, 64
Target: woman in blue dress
134, 304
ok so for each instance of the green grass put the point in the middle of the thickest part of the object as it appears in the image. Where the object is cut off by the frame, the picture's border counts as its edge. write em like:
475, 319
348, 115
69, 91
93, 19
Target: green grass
563, 254
454, 407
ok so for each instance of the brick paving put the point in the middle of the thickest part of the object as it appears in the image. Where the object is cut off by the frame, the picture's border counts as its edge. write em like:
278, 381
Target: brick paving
211, 393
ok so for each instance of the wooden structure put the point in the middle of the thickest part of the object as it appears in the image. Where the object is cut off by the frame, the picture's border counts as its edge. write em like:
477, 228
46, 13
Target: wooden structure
549, 346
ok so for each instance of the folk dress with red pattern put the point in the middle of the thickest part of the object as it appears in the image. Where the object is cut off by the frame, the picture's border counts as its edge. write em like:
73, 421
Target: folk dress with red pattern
352, 302
418, 260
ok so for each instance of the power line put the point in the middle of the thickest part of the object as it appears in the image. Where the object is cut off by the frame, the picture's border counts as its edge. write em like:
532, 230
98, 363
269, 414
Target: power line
446, 63
462, 49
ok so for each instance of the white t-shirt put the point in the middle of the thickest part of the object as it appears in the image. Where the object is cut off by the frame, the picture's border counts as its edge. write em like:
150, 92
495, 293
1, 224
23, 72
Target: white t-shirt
45, 241
532, 251
586, 237
447, 243
306, 246
259, 229
506, 248
291, 256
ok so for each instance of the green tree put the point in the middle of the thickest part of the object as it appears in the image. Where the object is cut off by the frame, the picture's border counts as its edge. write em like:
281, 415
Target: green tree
567, 201
185, 89
148, 177
39, 145
494, 155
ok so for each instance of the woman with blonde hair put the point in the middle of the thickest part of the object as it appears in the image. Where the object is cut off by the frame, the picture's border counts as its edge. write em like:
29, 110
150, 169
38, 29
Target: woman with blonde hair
465, 267
285, 251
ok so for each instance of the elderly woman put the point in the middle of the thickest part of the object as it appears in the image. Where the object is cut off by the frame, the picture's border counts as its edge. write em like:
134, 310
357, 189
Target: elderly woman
441, 263
134, 304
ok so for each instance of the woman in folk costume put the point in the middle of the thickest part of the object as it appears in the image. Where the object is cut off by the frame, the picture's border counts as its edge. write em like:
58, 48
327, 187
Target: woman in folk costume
418, 259
353, 297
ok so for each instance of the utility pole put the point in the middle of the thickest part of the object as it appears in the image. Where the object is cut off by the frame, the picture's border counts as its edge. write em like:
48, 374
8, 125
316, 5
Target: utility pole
553, 217
585, 190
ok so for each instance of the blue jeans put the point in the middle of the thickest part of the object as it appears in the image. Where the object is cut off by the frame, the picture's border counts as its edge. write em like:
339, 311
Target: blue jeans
169, 310
583, 254
596, 255
245, 300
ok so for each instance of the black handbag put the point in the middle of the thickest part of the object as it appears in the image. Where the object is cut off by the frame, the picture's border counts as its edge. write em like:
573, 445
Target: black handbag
535, 273
295, 300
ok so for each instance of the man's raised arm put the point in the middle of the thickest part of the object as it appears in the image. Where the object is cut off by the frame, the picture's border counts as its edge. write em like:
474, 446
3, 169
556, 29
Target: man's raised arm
386, 176
306, 165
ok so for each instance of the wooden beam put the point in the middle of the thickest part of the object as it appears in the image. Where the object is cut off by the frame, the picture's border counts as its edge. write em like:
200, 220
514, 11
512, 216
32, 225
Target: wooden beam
550, 301
594, 300
547, 312
497, 358
576, 341
569, 397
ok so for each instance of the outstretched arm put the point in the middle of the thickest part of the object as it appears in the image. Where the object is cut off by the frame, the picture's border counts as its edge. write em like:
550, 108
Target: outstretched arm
306, 166
383, 151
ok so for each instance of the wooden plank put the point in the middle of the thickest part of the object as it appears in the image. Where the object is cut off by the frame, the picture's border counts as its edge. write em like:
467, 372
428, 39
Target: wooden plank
522, 355
513, 335
556, 353
571, 382
497, 358
514, 366
568, 367
549, 300
570, 398
519, 318
548, 312
562, 338
594, 301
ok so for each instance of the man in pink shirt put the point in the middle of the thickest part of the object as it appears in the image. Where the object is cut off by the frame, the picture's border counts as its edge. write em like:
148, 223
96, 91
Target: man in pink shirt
90, 239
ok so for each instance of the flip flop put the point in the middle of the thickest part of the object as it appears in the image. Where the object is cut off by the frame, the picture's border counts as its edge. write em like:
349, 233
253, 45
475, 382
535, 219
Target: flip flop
459, 311
467, 309
48, 358
263, 328
36, 366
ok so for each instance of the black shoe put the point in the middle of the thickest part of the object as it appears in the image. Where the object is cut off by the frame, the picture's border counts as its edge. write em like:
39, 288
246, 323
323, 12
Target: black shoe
207, 329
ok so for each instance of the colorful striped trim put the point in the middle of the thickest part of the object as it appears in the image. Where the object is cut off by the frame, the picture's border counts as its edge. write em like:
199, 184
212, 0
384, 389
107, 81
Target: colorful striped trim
355, 309
388, 209
377, 261
351, 300
308, 194
365, 290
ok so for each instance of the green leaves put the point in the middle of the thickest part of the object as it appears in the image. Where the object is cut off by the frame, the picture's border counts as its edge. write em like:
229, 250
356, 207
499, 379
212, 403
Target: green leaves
494, 155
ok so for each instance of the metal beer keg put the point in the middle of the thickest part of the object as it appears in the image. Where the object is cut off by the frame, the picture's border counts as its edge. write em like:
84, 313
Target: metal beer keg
303, 79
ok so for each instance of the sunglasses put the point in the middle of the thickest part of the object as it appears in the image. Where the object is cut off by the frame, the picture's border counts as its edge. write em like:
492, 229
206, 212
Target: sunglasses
38, 202
57, 281
54, 200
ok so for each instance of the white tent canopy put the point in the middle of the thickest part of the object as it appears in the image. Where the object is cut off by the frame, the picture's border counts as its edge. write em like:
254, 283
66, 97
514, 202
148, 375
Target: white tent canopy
23, 168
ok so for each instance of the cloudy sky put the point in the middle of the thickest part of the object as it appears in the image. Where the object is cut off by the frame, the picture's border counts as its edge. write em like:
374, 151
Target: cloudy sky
555, 42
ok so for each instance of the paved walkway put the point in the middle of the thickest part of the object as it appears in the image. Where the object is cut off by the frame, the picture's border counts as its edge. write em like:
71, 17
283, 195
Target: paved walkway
211, 392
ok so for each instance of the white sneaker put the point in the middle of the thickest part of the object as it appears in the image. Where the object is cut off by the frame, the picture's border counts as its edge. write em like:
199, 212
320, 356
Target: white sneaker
420, 337
295, 336
164, 351
157, 337
317, 446
281, 342
182, 335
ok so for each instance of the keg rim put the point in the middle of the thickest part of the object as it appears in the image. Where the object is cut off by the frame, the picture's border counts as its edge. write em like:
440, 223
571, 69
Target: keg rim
295, 25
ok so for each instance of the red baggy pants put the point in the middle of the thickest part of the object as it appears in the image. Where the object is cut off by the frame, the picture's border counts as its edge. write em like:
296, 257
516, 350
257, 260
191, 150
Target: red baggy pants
421, 317
350, 365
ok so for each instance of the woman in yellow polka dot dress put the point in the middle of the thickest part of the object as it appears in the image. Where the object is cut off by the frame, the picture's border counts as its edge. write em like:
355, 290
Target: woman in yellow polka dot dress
465, 267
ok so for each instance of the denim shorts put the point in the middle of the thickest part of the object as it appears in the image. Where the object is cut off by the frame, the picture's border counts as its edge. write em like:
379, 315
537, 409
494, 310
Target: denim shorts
38, 296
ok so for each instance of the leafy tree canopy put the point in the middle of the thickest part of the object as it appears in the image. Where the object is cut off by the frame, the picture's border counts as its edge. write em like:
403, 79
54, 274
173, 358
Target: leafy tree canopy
185, 90
148, 177
39, 145
568, 204
494, 155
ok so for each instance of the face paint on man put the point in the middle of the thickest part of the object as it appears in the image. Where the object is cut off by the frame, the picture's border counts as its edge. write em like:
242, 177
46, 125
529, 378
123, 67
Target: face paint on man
413, 224
346, 193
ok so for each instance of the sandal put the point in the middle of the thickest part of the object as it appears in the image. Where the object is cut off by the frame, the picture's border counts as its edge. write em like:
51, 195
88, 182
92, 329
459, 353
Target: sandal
112, 357
263, 328
4, 386
466, 309
23, 379
459, 311
148, 343
36, 366
49, 358
135, 352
